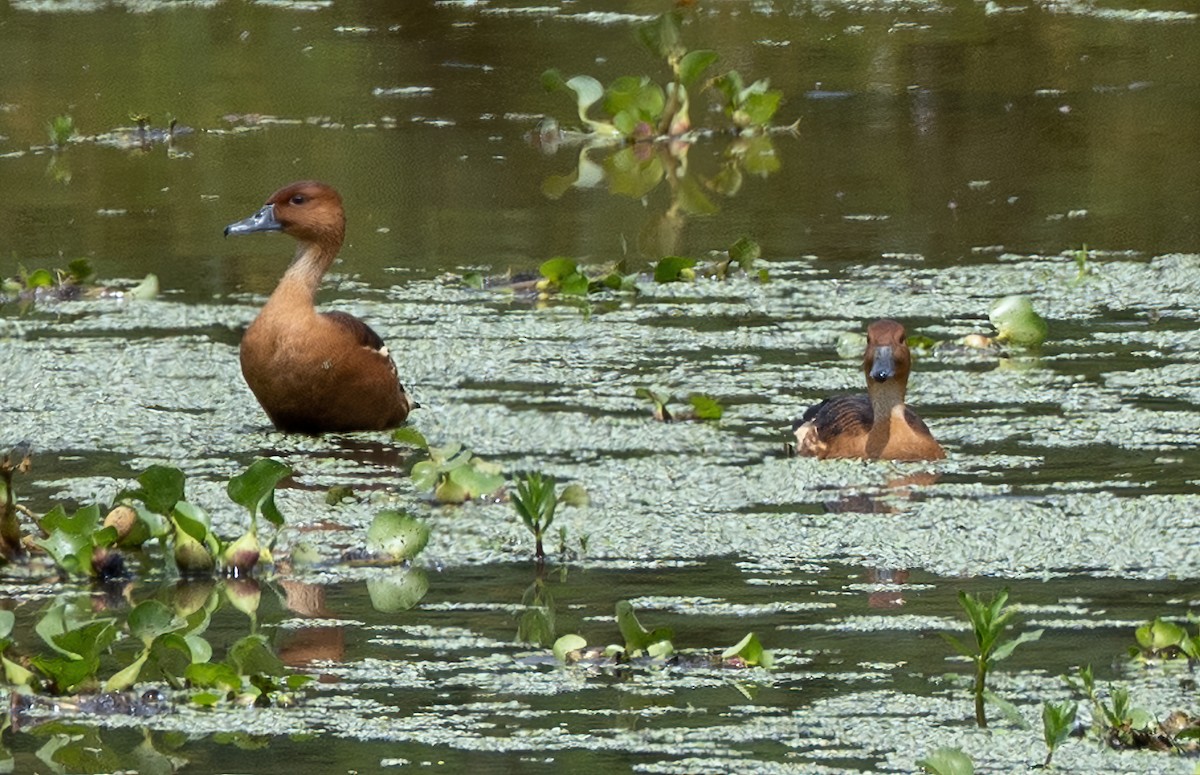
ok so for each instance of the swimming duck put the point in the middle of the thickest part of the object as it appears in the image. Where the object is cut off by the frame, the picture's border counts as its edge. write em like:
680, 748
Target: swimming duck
878, 425
315, 372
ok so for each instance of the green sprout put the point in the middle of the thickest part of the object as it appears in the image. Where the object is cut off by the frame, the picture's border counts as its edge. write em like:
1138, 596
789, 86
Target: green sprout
61, 129
1057, 720
535, 501
989, 619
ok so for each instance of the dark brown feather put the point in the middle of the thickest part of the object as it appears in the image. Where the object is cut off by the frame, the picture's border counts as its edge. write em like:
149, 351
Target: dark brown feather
362, 333
838, 415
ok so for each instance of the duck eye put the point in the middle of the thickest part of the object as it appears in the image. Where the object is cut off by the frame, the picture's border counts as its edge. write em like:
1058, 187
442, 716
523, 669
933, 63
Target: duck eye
298, 199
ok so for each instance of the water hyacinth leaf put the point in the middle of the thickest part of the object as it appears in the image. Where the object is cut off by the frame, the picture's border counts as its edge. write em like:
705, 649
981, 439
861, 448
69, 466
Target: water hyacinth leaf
150, 618
424, 475
552, 81
588, 91
556, 270
662, 36
750, 650
674, 269
410, 436
637, 638
252, 655
87, 641
192, 520
631, 175
705, 407
479, 478
126, 677
1159, 635
690, 196
640, 98
161, 487
744, 253
1017, 322
693, 64
70, 551
39, 278
575, 285
213, 675
254, 488
947, 761
660, 649
397, 591
759, 156
198, 647
15, 674
567, 644
147, 289
397, 535
66, 674
81, 523
760, 106
450, 491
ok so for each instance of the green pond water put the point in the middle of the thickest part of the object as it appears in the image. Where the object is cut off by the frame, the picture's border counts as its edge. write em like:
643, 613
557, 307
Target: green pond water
947, 154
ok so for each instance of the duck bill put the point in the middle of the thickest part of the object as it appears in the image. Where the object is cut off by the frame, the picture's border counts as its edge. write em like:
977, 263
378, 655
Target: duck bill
263, 220
883, 364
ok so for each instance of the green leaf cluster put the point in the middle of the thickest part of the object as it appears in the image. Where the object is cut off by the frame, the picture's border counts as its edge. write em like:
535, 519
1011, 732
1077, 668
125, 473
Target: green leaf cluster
563, 275
455, 475
1162, 639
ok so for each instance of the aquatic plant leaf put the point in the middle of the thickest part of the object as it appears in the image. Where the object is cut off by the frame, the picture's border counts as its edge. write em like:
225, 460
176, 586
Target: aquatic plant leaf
1017, 322
552, 80
639, 99
126, 677
693, 64
730, 85
690, 196
80, 271
588, 91
254, 489
397, 591
475, 480
161, 488
558, 269
759, 156
759, 107
198, 647
662, 36
660, 649
147, 289
150, 618
39, 278
751, 651
410, 436
706, 407
70, 551
1057, 720
637, 638
252, 655
213, 675
424, 475
674, 269
1010, 712
450, 491
1005, 649
632, 176
193, 520
7, 619
16, 675
947, 761
89, 640
744, 253
566, 644
397, 535
1159, 635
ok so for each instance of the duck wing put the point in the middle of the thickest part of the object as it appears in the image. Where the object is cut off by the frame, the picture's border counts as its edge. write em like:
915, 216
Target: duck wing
839, 415
360, 331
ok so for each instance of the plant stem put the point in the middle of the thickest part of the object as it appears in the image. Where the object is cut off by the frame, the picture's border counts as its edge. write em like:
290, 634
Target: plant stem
980, 681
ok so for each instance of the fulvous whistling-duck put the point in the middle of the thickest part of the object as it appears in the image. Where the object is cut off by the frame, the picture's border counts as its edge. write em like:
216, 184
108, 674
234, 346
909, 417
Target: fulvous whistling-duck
313, 372
877, 425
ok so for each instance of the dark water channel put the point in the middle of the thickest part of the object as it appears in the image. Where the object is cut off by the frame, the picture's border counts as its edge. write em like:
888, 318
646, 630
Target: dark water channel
947, 154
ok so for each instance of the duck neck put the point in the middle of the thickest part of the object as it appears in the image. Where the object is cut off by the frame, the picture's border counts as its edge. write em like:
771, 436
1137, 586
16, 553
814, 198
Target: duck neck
299, 285
887, 404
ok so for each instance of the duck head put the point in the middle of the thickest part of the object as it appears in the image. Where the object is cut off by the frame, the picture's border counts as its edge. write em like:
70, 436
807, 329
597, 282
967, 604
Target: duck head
308, 210
887, 358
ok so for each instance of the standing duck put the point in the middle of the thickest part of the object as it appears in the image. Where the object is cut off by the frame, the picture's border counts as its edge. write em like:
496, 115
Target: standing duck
878, 425
315, 372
